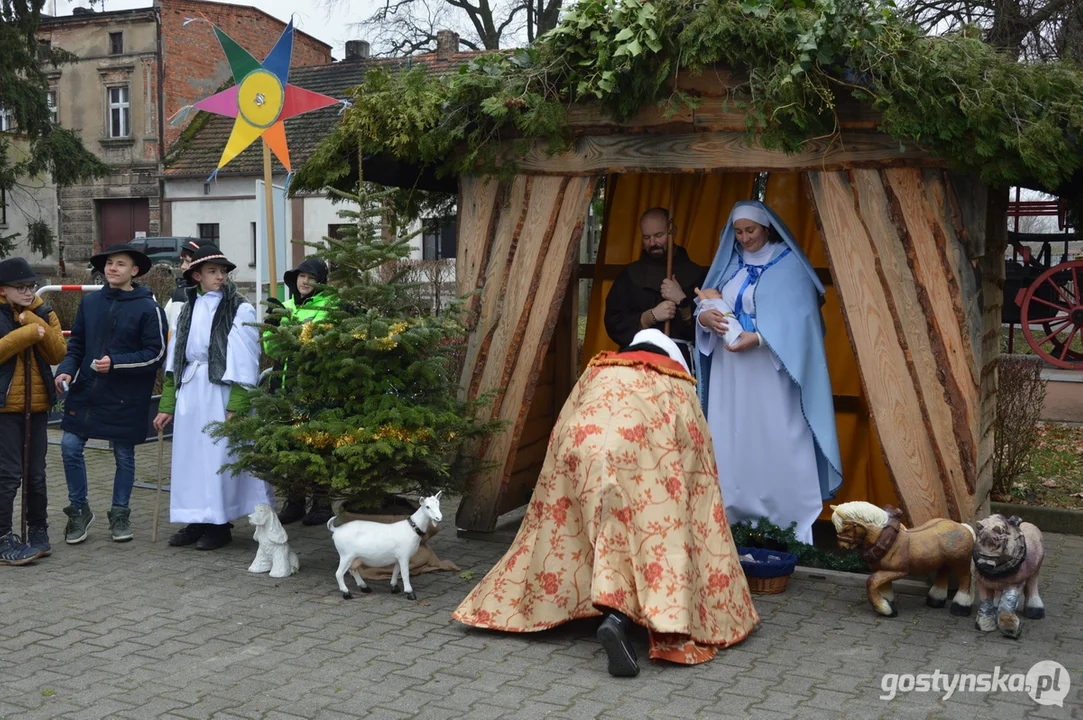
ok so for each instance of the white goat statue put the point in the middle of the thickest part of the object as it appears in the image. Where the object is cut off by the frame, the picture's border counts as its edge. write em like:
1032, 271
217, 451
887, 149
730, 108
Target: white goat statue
274, 552
382, 544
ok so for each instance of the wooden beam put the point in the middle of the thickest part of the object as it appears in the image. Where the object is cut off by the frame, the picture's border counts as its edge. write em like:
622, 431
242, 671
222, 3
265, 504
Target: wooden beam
854, 230
475, 218
715, 152
931, 259
528, 263
712, 92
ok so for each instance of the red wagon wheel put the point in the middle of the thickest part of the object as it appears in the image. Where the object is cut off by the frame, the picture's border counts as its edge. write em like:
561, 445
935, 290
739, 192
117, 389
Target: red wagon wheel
1054, 302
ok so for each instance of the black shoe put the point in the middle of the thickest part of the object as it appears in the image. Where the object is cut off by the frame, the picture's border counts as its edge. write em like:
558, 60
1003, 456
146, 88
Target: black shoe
319, 514
188, 535
293, 511
613, 636
215, 537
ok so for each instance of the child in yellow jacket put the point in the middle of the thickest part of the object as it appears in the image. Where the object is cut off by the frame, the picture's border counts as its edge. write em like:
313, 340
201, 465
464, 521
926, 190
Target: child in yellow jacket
31, 342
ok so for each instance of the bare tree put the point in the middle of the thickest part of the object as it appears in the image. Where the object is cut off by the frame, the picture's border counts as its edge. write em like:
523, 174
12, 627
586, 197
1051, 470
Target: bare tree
406, 27
1035, 30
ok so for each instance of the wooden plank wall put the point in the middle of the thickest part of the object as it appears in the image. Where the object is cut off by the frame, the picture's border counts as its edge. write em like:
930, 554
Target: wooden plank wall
900, 257
516, 248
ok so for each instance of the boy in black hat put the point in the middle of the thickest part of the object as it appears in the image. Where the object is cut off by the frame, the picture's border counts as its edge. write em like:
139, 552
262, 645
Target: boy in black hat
116, 347
213, 359
179, 296
30, 343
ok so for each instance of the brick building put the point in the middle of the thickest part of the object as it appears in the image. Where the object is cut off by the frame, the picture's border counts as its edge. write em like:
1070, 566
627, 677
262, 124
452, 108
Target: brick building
135, 68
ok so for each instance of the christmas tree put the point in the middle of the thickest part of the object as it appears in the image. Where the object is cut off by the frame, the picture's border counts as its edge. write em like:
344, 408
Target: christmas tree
368, 402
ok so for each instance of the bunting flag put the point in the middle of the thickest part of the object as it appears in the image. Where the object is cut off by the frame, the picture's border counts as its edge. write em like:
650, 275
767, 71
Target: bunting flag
262, 98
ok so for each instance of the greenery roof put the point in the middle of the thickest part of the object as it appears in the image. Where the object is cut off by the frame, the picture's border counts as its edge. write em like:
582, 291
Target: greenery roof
953, 96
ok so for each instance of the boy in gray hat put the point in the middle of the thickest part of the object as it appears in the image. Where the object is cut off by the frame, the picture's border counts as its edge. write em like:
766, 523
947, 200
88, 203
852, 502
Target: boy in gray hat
30, 343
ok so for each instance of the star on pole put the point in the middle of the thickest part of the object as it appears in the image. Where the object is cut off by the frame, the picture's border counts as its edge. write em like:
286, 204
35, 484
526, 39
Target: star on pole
262, 98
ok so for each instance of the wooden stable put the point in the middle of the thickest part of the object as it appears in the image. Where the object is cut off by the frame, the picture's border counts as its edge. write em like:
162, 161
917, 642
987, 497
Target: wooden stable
913, 254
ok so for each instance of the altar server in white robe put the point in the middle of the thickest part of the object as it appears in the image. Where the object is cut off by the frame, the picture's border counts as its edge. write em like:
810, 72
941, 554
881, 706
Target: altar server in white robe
763, 370
213, 359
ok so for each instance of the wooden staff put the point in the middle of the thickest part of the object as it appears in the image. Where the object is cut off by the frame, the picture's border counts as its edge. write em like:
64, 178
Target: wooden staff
158, 494
27, 356
669, 235
268, 194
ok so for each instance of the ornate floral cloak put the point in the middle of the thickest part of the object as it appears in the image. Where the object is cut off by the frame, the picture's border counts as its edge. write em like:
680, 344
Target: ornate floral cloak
627, 514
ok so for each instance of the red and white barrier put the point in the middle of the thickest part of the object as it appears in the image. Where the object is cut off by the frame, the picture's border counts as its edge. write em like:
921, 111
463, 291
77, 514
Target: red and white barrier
67, 288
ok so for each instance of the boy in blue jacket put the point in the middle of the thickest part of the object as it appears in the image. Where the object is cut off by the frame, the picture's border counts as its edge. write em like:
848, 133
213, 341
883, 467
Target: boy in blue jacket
116, 346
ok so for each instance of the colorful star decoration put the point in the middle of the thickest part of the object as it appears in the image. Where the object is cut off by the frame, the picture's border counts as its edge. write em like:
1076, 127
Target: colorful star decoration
262, 99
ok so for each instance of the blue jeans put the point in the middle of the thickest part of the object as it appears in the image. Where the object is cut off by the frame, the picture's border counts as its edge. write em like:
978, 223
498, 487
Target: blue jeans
71, 450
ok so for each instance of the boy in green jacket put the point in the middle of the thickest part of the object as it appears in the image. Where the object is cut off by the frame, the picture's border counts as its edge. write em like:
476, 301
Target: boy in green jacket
307, 303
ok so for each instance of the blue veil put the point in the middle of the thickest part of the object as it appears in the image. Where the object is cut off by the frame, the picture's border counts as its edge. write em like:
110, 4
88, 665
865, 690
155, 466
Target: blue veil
788, 301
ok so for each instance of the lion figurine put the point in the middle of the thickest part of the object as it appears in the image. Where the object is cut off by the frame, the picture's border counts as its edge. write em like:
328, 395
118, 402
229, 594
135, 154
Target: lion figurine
894, 551
1008, 554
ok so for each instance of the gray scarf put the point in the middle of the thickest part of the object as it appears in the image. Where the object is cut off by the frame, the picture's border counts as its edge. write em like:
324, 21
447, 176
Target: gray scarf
220, 327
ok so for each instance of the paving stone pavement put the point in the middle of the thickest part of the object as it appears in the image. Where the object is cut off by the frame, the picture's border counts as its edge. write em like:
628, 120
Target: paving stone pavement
142, 630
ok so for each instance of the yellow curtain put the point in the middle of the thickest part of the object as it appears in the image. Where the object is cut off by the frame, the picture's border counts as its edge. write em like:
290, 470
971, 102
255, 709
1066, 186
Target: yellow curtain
700, 206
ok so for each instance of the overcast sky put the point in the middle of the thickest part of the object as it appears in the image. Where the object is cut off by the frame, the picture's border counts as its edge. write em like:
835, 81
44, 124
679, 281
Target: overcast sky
312, 16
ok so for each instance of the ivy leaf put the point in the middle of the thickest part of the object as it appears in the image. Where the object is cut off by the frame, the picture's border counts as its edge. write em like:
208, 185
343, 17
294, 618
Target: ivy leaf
624, 35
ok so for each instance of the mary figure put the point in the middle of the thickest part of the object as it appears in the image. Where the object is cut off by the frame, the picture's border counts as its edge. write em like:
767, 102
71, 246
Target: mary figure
764, 381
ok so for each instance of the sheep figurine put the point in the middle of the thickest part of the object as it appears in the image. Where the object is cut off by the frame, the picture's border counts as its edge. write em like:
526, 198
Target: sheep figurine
274, 552
382, 544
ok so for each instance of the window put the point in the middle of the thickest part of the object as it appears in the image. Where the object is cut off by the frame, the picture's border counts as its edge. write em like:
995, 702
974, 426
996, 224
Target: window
116, 43
209, 232
50, 99
159, 246
44, 48
7, 120
120, 113
438, 239
337, 232
3, 207
253, 233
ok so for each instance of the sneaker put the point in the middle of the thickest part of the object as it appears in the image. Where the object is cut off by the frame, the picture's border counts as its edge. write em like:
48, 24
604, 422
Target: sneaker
292, 512
215, 537
13, 552
187, 535
79, 520
119, 524
319, 514
37, 537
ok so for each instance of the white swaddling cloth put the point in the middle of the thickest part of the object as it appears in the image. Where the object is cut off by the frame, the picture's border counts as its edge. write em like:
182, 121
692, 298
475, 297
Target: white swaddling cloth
719, 304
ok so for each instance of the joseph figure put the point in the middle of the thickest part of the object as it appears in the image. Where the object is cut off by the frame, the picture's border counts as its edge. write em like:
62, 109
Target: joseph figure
642, 297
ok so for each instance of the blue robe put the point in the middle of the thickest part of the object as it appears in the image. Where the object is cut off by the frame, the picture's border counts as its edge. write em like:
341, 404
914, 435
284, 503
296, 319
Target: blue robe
788, 300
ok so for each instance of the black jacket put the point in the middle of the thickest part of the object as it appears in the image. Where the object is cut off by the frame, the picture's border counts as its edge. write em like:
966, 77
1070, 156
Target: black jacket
638, 289
131, 329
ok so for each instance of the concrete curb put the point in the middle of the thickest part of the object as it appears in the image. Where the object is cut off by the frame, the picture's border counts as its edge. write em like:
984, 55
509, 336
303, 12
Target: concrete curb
1050, 520
857, 580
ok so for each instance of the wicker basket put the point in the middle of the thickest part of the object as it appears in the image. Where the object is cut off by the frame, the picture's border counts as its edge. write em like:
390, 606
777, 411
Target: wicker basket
768, 586
771, 573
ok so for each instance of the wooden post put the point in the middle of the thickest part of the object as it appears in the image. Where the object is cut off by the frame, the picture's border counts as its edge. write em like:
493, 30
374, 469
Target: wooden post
268, 194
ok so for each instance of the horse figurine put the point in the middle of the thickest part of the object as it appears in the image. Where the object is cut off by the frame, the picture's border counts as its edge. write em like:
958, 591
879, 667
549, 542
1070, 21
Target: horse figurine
1008, 554
894, 551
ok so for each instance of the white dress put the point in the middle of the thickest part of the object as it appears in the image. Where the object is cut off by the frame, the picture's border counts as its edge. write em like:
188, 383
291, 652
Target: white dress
765, 451
200, 493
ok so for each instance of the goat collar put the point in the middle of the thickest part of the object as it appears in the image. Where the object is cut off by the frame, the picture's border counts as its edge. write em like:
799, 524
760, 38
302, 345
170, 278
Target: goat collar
419, 531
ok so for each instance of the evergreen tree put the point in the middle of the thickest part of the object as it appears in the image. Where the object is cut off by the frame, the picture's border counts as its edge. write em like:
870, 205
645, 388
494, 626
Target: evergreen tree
369, 404
34, 145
